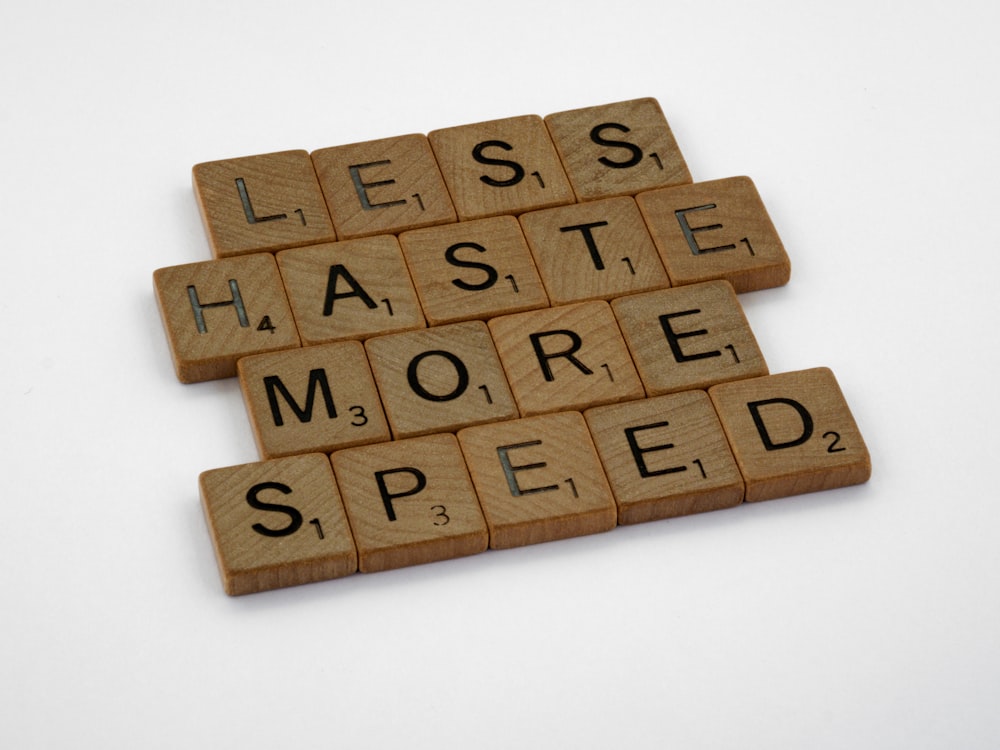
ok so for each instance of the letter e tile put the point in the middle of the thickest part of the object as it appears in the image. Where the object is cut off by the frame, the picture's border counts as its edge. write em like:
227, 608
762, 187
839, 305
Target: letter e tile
665, 456
539, 479
716, 230
410, 502
277, 523
791, 433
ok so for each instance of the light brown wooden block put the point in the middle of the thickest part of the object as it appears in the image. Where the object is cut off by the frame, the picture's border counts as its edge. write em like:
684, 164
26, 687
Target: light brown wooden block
384, 186
315, 399
617, 149
500, 167
666, 456
217, 311
351, 289
410, 502
472, 270
277, 523
261, 203
596, 250
689, 337
440, 379
716, 230
539, 479
792, 433
565, 358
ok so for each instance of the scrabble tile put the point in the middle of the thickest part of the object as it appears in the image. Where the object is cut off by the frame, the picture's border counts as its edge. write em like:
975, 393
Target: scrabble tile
538, 479
565, 358
500, 167
316, 399
410, 502
384, 186
792, 433
440, 379
472, 270
665, 456
617, 149
689, 337
596, 250
277, 523
716, 230
261, 203
351, 289
216, 311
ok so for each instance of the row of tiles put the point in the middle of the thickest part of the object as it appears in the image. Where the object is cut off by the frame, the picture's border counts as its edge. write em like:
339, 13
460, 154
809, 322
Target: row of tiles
318, 516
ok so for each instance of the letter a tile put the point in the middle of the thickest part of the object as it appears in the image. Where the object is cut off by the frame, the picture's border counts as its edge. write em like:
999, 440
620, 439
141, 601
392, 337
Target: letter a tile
792, 433
277, 523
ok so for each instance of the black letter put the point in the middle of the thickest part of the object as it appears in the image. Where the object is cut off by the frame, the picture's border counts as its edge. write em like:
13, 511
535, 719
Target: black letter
331, 289
295, 518
236, 301
509, 470
588, 237
673, 338
490, 271
361, 187
460, 370
477, 154
807, 423
317, 379
638, 452
689, 231
595, 136
543, 359
388, 497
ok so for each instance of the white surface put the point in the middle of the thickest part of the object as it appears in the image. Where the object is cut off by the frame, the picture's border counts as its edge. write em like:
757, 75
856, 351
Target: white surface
859, 618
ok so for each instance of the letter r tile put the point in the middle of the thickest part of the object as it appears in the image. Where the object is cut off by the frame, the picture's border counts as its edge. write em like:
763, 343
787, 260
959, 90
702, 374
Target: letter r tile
217, 311
261, 203
716, 230
277, 523
539, 479
384, 186
791, 433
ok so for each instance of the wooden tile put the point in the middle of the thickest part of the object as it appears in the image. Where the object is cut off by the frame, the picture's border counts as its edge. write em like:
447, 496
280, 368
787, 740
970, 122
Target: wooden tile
716, 230
665, 456
617, 149
539, 479
384, 186
410, 502
472, 270
596, 250
440, 379
315, 399
500, 167
351, 289
689, 337
261, 203
564, 358
277, 523
792, 433
217, 311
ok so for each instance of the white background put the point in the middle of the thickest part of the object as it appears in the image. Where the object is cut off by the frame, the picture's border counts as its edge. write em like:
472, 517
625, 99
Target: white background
867, 617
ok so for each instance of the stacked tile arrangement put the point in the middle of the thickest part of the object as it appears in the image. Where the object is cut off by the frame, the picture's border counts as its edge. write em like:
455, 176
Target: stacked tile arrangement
494, 335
